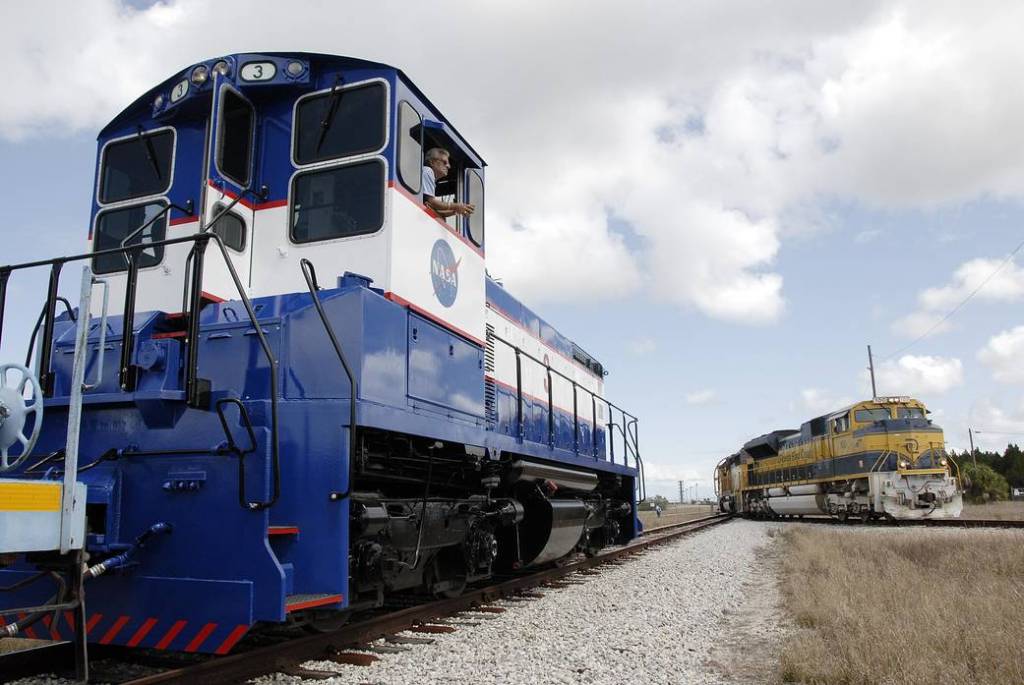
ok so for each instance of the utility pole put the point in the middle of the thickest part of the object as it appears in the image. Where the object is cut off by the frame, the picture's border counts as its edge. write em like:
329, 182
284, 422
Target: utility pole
871, 368
681, 499
974, 457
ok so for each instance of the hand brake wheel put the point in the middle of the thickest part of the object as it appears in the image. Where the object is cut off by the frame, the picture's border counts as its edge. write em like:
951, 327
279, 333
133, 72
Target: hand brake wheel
15, 410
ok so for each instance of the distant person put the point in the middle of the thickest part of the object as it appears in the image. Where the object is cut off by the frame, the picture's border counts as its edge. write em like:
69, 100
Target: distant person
436, 168
657, 510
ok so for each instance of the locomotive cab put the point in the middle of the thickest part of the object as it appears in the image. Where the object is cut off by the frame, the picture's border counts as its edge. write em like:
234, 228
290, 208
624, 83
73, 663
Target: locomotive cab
288, 158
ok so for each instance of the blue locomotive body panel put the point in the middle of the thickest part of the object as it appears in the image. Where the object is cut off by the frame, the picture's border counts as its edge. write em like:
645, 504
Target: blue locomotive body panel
219, 522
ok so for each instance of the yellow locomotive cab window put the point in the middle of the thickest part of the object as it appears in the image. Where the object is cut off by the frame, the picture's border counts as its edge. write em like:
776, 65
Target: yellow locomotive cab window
872, 415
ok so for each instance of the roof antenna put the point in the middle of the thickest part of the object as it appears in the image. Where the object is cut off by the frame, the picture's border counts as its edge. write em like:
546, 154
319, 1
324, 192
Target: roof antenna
871, 368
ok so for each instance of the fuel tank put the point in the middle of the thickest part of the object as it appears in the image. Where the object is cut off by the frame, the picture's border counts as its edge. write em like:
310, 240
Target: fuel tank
795, 504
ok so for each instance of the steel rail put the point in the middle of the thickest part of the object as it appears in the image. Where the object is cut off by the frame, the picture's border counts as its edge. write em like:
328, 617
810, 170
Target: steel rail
245, 665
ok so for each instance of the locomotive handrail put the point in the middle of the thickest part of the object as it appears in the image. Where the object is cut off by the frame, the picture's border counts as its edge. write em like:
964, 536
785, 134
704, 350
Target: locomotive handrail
39, 322
627, 418
309, 273
200, 241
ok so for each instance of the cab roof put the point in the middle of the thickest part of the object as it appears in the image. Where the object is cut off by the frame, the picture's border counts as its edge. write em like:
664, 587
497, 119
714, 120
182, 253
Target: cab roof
141, 107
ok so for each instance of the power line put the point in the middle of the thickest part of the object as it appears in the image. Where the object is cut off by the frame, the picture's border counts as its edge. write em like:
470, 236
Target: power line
960, 305
985, 432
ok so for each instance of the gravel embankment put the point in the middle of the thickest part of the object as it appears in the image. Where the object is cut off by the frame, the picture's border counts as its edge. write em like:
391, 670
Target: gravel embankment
702, 610
671, 616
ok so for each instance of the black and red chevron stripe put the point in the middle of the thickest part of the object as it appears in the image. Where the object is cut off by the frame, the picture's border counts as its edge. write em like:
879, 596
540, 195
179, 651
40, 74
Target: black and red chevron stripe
132, 632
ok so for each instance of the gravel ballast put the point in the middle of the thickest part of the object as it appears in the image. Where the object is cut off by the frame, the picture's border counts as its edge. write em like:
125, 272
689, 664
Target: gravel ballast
669, 616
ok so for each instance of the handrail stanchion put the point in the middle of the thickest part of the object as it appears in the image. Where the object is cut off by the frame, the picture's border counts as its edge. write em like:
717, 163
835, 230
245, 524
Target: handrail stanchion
611, 435
194, 390
127, 373
551, 410
45, 376
575, 419
309, 273
593, 426
5, 275
519, 395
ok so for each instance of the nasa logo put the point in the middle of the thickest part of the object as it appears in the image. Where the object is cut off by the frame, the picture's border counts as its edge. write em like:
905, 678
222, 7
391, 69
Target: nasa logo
444, 272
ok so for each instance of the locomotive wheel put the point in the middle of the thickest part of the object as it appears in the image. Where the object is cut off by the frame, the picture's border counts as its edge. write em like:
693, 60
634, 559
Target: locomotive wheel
841, 515
865, 515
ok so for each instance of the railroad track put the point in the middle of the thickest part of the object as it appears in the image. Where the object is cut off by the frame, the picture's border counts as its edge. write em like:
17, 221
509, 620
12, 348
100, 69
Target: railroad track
287, 655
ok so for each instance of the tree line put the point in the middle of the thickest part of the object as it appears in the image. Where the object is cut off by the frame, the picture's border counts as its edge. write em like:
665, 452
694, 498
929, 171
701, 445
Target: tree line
988, 476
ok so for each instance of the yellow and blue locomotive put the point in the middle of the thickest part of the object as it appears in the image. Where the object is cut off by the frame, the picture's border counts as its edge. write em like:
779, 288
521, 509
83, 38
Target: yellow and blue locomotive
878, 458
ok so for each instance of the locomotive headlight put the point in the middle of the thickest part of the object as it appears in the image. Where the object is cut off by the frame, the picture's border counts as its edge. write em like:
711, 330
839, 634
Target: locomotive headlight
903, 464
295, 69
200, 74
222, 67
944, 461
158, 101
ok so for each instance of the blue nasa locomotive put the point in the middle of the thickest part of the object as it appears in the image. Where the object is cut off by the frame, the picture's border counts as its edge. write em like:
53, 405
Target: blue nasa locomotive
313, 395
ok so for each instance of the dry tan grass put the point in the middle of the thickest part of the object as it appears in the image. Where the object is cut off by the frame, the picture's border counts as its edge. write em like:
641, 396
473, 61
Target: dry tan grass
909, 606
676, 513
998, 511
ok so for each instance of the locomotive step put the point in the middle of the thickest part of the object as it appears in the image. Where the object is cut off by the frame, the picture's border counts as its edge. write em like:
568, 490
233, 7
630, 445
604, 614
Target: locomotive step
298, 602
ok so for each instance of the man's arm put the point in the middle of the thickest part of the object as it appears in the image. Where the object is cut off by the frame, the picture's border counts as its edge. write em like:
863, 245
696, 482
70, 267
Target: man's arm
446, 209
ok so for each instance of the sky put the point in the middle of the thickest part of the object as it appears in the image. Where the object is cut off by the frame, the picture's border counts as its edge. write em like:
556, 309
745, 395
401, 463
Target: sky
724, 201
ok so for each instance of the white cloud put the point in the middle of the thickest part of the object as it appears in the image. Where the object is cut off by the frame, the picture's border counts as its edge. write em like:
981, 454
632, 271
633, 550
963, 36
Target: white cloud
815, 401
642, 346
993, 280
916, 375
867, 236
706, 134
658, 472
1004, 355
701, 397
1007, 285
995, 425
918, 323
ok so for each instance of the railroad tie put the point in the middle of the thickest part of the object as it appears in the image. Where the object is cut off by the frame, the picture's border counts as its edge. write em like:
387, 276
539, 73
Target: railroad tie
353, 658
432, 628
491, 609
310, 673
409, 640
386, 649
456, 621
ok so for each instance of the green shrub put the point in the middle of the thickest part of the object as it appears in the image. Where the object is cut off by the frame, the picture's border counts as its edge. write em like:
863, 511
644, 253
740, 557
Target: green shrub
982, 484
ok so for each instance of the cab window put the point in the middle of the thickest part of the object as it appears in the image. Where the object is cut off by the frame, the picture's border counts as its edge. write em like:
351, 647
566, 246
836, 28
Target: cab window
342, 122
475, 196
841, 424
338, 202
137, 166
871, 415
410, 147
113, 226
234, 147
229, 226
909, 413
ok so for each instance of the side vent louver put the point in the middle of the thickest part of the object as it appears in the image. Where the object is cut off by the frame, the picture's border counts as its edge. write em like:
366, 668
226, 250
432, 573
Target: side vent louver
490, 396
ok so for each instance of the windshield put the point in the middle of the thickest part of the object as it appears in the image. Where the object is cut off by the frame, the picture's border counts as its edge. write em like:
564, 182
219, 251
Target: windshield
137, 166
909, 413
871, 415
340, 123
